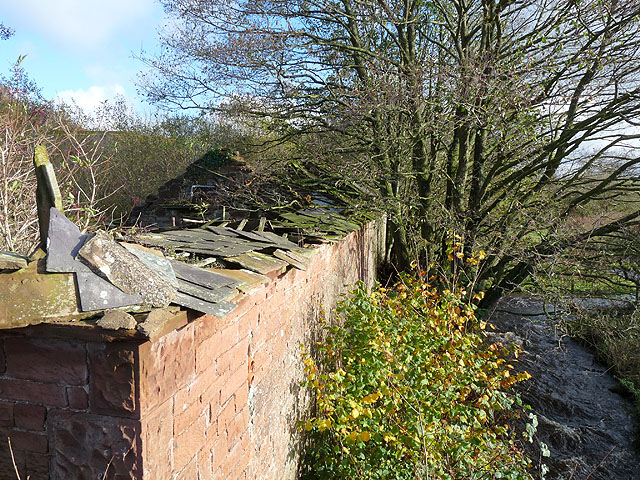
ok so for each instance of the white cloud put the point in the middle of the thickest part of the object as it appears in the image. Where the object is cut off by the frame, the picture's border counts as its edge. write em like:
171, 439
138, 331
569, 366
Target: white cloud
81, 24
90, 99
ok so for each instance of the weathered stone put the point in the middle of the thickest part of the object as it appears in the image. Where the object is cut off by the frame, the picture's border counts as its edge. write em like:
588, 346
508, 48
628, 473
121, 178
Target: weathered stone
63, 244
155, 261
154, 324
112, 386
12, 261
28, 297
86, 446
126, 271
98, 294
117, 319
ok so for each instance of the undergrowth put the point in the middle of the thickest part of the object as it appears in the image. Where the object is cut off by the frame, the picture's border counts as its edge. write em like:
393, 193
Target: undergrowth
408, 388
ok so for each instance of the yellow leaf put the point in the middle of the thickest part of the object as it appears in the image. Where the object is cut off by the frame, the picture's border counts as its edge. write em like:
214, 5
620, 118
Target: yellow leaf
364, 436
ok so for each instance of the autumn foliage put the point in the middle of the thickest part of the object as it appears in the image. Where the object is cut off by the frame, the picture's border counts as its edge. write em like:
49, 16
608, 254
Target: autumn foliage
407, 386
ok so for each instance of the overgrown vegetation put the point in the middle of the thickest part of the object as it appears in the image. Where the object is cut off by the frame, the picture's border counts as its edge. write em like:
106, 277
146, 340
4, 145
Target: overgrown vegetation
26, 121
408, 387
106, 163
146, 153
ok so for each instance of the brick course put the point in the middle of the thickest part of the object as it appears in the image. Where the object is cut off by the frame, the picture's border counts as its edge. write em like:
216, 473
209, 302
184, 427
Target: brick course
213, 398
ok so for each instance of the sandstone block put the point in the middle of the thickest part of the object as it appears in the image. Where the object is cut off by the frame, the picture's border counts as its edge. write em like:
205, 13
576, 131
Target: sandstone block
77, 398
158, 442
83, 445
46, 360
6, 414
28, 391
29, 417
188, 443
166, 366
112, 388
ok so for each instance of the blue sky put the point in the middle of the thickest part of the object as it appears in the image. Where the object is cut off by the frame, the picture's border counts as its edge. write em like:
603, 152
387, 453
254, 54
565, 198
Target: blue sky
81, 49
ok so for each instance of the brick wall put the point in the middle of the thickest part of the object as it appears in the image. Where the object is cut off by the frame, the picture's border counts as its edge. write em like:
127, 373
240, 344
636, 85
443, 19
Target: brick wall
213, 398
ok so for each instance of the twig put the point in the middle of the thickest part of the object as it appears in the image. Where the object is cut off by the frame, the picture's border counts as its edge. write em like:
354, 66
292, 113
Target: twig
104, 475
13, 459
601, 462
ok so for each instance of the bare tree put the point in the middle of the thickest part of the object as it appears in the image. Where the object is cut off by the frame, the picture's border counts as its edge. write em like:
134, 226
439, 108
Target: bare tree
495, 120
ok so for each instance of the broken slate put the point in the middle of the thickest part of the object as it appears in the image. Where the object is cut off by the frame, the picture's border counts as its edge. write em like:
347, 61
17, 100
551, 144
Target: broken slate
214, 295
218, 309
259, 262
116, 320
298, 261
200, 276
63, 244
96, 293
124, 270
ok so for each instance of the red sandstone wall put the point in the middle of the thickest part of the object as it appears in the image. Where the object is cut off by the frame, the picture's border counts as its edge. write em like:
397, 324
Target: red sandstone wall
215, 398
68, 407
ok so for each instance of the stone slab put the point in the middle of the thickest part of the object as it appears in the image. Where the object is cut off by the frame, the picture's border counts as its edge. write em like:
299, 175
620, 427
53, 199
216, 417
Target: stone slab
124, 270
218, 309
63, 244
200, 276
96, 293
87, 446
30, 296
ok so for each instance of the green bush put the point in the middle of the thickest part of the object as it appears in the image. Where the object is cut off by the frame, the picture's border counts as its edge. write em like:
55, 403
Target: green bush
407, 387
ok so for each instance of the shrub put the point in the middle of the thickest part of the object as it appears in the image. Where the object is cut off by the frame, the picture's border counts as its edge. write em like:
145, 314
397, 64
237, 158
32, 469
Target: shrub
407, 387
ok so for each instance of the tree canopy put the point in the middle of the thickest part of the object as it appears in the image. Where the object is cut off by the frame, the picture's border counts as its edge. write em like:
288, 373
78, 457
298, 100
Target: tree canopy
494, 122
